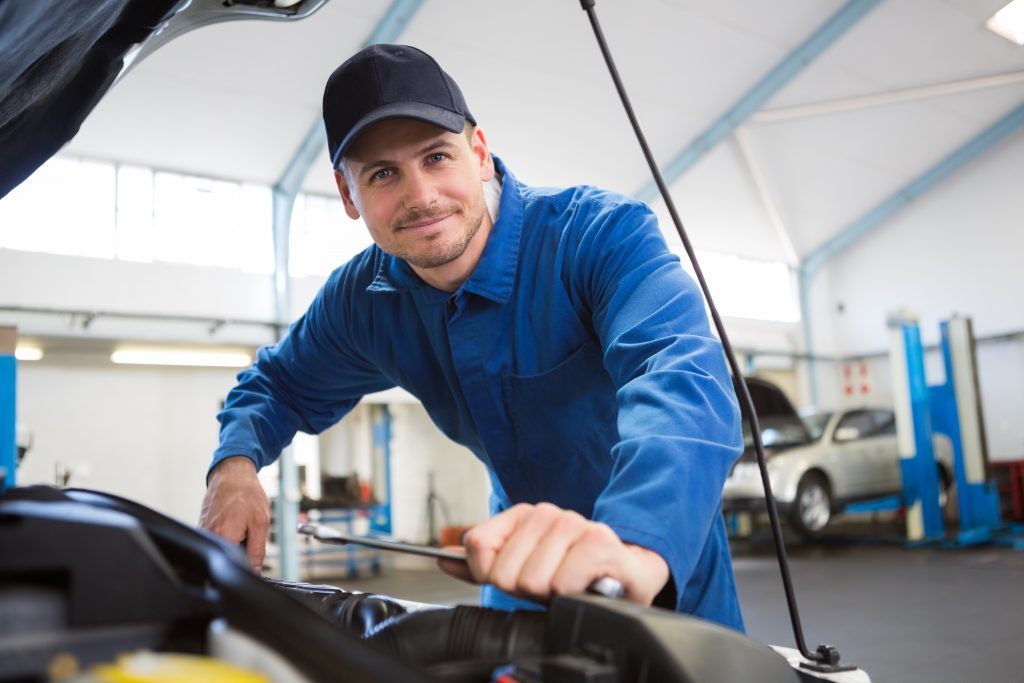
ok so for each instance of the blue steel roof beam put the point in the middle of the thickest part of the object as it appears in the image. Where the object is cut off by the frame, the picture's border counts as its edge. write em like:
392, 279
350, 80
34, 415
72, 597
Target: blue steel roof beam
775, 80
814, 261
917, 187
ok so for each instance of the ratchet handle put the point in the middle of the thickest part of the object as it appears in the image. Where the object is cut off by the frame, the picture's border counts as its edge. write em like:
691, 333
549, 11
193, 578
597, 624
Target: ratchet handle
606, 585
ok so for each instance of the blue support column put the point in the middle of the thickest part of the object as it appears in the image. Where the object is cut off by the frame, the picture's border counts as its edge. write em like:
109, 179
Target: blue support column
753, 99
955, 405
380, 523
920, 474
952, 409
8, 415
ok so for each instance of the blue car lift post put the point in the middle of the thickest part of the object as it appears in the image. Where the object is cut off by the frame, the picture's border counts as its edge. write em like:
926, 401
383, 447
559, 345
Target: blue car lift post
8, 394
952, 409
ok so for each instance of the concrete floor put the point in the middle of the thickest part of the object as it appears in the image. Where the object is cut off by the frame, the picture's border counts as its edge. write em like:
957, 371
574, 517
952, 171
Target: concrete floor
902, 615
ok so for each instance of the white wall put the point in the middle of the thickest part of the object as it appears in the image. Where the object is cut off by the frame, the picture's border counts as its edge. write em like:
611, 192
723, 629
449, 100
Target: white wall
955, 250
419, 448
145, 433
78, 283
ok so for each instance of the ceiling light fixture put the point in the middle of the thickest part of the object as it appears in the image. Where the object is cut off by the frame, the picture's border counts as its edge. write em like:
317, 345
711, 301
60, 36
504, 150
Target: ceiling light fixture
1009, 22
181, 357
28, 352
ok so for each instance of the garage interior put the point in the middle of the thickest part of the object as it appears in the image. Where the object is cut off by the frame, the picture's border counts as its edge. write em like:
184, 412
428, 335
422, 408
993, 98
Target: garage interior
848, 171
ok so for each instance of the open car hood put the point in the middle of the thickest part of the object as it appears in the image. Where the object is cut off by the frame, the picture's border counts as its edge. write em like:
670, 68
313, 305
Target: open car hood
59, 57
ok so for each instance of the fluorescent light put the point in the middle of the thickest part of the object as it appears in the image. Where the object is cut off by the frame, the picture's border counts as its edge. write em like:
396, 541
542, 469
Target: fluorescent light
211, 359
28, 353
1009, 22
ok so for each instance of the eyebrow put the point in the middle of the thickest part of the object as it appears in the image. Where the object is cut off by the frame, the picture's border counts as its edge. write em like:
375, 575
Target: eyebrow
432, 146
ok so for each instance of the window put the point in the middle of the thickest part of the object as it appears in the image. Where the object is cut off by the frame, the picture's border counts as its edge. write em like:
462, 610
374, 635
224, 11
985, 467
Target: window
322, 236
208, 222
65, 207
135, 213
854, 425
885, 423
105, 210
862, 424
816, 424
746, 288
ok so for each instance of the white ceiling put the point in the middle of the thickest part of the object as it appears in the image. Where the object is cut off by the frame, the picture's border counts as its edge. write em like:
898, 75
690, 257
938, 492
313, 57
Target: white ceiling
235, 100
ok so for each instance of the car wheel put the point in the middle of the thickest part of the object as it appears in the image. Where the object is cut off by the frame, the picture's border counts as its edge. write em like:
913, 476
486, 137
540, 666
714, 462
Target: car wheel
812, 509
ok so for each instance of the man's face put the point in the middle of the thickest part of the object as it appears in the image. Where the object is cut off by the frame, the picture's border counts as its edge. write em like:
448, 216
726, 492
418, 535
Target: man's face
418, 188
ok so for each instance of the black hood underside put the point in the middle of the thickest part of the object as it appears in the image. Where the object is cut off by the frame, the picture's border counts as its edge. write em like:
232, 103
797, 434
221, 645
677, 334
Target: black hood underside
57, 59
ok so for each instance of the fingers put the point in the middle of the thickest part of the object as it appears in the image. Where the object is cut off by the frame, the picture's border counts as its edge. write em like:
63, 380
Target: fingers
537, 551
256, 542
596, 552
531, 556
236, 507
485, 540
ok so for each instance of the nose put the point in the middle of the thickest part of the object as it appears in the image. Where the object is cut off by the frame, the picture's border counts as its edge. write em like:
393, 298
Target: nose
420, 191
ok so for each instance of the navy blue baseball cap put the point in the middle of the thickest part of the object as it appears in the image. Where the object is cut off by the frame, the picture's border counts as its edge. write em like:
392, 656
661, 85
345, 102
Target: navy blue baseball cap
386, 82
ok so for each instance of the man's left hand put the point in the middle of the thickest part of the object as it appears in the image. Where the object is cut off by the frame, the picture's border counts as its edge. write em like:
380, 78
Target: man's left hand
537, 551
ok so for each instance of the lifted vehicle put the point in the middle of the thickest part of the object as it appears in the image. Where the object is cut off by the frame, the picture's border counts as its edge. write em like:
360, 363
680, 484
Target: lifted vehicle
847, 456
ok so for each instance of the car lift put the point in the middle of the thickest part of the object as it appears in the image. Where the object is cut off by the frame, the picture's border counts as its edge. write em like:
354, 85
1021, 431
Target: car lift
952, 409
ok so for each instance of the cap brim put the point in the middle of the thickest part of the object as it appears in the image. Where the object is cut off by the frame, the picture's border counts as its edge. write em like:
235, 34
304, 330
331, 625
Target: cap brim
420, 111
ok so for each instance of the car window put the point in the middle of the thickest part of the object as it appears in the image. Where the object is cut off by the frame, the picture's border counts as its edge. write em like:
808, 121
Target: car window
855, 425
816, 424
861, 424
885, 422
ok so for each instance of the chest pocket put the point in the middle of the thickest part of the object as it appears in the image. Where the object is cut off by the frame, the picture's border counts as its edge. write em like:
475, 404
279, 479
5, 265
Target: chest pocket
564, 426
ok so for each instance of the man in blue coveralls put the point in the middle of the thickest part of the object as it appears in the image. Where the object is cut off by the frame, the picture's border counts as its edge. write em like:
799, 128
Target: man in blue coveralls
550, 331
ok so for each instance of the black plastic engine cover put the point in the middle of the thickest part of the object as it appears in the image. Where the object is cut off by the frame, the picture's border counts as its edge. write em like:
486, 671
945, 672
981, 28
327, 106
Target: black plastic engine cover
648, 645
95, 575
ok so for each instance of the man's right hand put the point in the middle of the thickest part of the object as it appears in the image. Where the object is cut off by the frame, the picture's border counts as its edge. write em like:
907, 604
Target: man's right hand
236, 507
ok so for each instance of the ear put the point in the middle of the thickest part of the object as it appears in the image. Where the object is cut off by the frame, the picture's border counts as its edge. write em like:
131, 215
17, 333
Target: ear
346, 195
483, 154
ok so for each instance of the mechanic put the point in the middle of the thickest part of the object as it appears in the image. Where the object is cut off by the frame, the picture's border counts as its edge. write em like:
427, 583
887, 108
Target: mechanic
549, 331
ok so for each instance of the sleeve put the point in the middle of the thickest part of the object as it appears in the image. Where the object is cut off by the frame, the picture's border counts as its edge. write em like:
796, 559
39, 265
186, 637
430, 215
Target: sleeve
678, 417
308, 381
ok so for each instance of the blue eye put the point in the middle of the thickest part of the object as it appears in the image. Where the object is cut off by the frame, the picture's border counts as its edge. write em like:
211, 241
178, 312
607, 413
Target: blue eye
381, 174
437, 157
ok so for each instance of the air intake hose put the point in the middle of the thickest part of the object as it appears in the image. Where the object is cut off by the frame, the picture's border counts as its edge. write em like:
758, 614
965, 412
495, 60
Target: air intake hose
460, 634
359, 613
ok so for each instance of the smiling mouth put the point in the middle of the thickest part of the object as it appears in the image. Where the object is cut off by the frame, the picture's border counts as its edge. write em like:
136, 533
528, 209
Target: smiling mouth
424, 223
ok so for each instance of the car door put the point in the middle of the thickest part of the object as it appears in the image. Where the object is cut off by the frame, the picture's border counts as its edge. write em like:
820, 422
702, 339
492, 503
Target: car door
854, 469
885, 454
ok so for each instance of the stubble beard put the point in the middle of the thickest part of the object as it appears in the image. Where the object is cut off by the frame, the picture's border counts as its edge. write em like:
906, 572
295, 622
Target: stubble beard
440, 250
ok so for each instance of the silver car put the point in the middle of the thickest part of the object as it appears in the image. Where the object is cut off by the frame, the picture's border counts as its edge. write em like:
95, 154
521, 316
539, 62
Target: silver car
848, 456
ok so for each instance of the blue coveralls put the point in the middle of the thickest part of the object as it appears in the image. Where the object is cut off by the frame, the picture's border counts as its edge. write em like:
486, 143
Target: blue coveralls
576, 362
